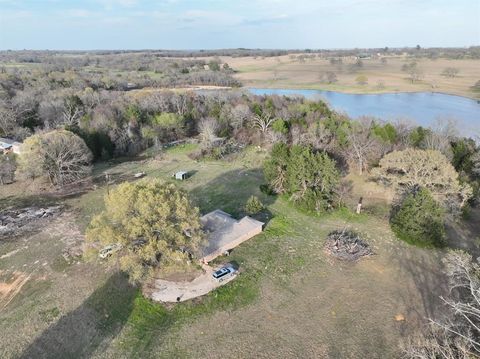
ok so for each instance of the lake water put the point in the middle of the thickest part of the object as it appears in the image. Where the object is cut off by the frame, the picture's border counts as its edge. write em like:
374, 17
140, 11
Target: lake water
421, 107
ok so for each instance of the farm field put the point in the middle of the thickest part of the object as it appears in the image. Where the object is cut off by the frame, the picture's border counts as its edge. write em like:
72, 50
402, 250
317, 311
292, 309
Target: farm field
289, 300
287, 72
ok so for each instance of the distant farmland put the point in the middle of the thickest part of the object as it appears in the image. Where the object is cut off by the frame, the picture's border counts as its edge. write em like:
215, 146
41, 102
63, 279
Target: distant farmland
290, 71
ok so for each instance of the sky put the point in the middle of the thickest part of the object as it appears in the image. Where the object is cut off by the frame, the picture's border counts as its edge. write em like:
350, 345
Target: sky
214, 24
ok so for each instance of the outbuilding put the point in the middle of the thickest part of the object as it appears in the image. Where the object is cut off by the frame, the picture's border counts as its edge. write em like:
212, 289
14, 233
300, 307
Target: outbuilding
181, 175
8, 145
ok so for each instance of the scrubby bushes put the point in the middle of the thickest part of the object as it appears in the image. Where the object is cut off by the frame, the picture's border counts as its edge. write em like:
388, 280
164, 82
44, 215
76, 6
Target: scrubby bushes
419, 219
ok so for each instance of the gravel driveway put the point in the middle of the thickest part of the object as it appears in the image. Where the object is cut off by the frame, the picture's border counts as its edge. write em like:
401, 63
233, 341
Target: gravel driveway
167, 291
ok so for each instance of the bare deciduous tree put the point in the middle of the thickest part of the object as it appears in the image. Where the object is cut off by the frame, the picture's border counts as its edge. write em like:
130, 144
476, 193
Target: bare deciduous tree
51, 113
319, 136
413, 71
207, 129
180, 103
120, 139
72, 111
7, 168
450, 72
328, 77
240, 114
262, 122
429, 169
362, 144
7, 120
443, 132
60, 155
274, 137
458, 335
403, 128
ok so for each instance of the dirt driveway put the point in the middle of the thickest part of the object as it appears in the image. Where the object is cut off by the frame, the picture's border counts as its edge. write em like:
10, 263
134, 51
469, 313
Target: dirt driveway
168, 291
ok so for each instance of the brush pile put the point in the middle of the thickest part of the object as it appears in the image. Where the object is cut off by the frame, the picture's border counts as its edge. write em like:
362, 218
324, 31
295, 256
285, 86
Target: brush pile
13, 221
346, 245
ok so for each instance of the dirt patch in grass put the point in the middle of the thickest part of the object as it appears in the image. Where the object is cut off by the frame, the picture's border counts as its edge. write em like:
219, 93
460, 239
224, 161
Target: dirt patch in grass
9, 289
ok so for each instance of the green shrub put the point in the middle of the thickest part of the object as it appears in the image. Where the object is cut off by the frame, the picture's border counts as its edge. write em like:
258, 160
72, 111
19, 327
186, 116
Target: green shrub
309, 177
417, 136
312, 178
253, 205
387, 133
419, 219
266, 189
280, 126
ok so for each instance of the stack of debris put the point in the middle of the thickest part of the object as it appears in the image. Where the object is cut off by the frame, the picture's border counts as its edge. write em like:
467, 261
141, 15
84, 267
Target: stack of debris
14, 220
346, 245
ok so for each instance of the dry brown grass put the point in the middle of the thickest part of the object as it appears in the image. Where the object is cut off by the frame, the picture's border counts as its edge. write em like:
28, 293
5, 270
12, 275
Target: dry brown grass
284, 72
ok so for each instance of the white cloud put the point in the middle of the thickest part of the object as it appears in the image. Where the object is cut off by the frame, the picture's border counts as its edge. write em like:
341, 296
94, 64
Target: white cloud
16, 14
210, 17
111, 4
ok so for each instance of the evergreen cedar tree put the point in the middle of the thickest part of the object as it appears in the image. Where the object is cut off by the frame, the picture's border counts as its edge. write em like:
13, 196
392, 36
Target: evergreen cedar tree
154, 224
253, 205
309, 177
419, 219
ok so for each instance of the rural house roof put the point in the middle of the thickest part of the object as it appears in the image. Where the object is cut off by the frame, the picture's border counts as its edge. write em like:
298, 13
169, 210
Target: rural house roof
225, 233
6, 143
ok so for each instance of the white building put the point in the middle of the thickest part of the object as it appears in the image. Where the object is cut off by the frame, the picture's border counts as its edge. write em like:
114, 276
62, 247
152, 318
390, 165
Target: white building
8, 145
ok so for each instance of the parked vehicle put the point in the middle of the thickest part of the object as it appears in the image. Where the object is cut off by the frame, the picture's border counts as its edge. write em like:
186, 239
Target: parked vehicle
224, 273
109, 250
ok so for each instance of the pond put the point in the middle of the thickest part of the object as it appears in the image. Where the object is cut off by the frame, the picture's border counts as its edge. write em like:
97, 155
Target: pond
422, 108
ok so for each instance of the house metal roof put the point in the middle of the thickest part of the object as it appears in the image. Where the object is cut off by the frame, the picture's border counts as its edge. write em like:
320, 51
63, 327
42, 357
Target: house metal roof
223, 230
6, 142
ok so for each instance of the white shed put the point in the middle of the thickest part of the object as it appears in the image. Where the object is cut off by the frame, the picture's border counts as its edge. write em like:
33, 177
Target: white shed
181, 175
8, 145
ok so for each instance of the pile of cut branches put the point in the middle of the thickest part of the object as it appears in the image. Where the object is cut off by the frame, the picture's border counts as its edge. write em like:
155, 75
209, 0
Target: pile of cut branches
12, 221
346, 245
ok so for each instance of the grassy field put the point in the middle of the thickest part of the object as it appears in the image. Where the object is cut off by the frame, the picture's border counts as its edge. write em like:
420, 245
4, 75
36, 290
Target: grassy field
285, 72
291, 300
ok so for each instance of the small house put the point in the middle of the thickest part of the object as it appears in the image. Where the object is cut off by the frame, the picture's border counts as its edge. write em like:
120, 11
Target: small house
225, 233
7, 145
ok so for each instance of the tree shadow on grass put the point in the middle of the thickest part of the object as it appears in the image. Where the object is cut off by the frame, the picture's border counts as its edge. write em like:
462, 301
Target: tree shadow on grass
465, 234
427, 283
230, 191
97, 321
27, 201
